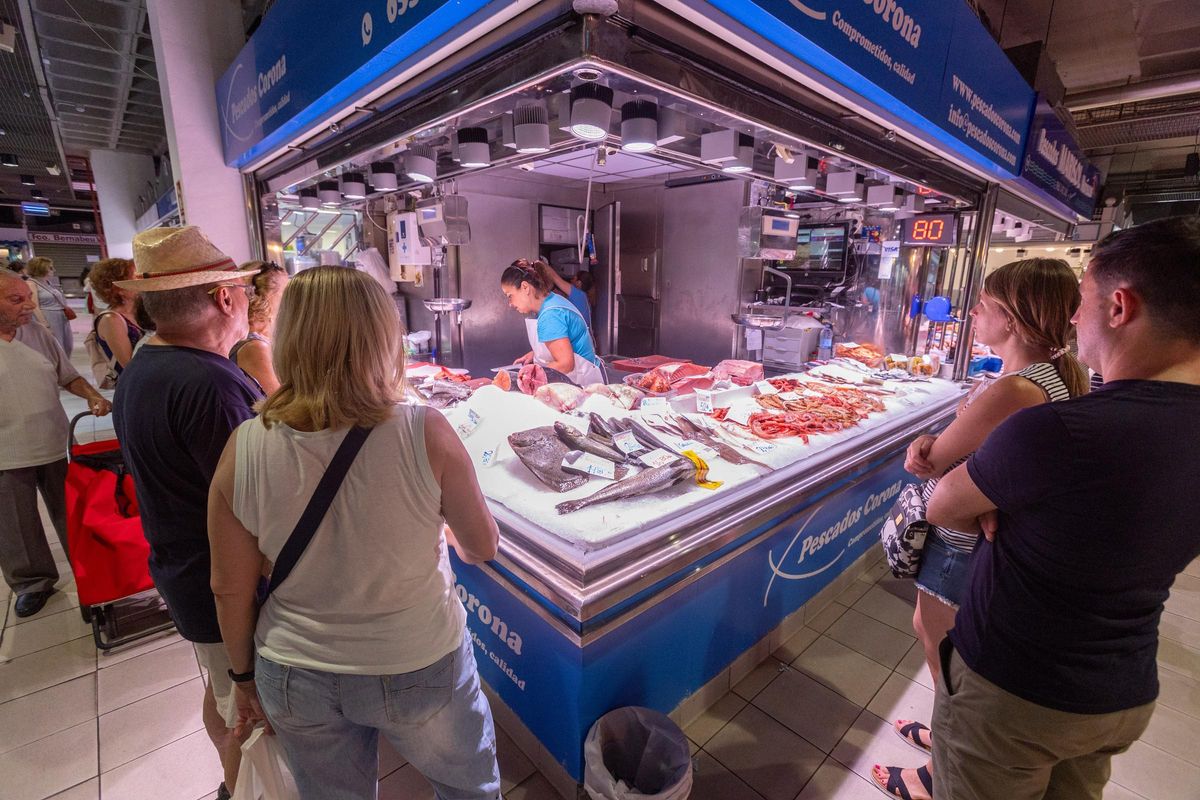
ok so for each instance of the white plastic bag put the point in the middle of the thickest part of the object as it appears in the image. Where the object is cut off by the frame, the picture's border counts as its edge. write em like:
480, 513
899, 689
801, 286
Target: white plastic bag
636, 753
264, 774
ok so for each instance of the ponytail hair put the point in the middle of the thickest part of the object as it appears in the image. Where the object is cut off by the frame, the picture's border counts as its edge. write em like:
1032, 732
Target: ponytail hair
521, 271
1040, 295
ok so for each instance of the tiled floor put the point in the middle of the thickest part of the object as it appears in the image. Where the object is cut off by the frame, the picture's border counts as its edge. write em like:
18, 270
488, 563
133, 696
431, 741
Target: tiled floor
807, 724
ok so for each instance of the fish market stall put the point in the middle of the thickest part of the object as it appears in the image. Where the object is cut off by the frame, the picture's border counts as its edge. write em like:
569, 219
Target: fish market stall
745, 191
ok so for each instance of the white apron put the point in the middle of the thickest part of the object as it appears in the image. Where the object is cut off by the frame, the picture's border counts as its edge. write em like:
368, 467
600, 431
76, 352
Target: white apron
585, 371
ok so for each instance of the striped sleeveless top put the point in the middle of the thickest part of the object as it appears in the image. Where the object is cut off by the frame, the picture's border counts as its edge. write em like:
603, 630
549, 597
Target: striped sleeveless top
1047, 379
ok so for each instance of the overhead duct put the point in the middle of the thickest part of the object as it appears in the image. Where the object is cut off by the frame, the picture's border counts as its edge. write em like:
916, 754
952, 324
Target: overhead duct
1153, 89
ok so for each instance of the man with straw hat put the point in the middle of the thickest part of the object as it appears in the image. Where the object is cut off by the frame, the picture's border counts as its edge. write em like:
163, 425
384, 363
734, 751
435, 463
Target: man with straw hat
175, 407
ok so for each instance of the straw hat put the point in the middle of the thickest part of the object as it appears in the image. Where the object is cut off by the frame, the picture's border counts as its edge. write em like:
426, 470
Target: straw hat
176, 258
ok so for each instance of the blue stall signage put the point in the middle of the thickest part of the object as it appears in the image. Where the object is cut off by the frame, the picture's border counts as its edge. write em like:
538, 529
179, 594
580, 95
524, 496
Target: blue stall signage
925, 61
1055, 164
311, 58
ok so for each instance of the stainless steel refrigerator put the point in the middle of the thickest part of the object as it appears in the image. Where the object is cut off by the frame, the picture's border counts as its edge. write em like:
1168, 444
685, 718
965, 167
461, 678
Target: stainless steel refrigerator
627, 280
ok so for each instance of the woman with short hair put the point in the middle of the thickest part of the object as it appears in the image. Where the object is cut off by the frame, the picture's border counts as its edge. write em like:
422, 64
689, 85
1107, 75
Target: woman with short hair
51, 308
253, 354
117, 328
366, 636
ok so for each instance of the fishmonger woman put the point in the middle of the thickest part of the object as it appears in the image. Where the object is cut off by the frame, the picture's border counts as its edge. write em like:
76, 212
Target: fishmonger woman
558, 335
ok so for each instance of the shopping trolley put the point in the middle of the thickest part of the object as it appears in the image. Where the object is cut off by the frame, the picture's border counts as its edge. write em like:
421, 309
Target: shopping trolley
106, 547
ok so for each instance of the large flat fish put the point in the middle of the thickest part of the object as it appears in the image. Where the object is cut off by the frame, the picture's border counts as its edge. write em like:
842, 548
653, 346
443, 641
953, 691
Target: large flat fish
648, 481
542, 452
579, 441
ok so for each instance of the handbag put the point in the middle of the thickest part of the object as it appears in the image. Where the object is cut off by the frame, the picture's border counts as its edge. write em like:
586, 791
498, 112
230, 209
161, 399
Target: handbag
314, 512
904, 531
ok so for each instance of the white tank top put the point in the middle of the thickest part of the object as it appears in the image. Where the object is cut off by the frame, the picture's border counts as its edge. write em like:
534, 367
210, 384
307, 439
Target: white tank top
373, 593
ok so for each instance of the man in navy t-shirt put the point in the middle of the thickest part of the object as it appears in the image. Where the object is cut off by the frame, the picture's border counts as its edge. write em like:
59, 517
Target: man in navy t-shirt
176, 405
1050, 668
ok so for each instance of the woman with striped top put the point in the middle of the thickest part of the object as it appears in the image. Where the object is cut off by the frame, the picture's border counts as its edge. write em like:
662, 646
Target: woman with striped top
1024, 315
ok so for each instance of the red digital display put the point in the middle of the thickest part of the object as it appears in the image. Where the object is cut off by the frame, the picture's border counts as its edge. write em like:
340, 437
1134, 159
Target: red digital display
930, 230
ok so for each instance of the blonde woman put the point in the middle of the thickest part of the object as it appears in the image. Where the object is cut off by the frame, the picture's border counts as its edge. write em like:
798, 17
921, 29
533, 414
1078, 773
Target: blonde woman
365, 637
50, 305
117, 329
253, 354
1024, 315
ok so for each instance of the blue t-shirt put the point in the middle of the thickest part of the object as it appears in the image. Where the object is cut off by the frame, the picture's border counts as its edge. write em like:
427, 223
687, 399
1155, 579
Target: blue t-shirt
174, 410
579, 299
1096, 521
558, 319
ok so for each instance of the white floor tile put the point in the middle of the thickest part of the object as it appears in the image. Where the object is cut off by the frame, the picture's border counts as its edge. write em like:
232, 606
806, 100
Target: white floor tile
849, 673
1179, 658
58, 602
145, 675
1176, 733
1155, 774
405, 784
835, 782
757, 680
852, 593
1181, 629
134, 730
712, 781
46, 668
1179, 692
515, 767
711, 721
1185, 597
901, 698
827, 616
389, 759
118, 655
42, 632
880, 604
537, 787
815, 712
46, 712
1193, 569
790, 650
876, 640
872, 741
88, 790
914, 667
1115, 791
50, 765
185, 768
774, 761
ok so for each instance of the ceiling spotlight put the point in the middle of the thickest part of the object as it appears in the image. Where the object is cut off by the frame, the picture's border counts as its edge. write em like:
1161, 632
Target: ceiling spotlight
353, 186
800, 175
885, 197
473, 148
420, 164
54, 169
328, 194
639, 126
845, 184
37, 194
9, 160
717, 147
27, 180
914, 204
531, 129
745, 157
591, 111
308, 198
383, 176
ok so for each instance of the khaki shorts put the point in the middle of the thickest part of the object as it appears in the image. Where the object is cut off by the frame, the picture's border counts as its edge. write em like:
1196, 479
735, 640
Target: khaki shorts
215, 659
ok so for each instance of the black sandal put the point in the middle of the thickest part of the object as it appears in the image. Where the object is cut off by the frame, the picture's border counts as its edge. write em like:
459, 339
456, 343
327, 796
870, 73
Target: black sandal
896, 787
909, 733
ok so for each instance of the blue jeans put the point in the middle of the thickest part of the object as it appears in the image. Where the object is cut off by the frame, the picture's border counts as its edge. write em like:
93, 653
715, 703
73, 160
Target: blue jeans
944, 571
436, 718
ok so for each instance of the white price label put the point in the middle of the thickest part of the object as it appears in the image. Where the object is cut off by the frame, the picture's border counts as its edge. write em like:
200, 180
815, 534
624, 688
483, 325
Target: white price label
653, 404
472, 422
811, 393
588, 464
626, 442
765, 387
657, 457
700, 449
489, 456
786, 396
762, 447
740, 413
704, 401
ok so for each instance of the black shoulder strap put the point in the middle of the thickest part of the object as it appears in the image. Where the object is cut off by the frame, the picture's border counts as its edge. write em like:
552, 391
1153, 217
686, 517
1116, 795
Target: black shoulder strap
314, 512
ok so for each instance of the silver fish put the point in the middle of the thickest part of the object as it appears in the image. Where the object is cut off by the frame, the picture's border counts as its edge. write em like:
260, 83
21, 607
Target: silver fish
648, 481
724, 450
542, 452
578, 441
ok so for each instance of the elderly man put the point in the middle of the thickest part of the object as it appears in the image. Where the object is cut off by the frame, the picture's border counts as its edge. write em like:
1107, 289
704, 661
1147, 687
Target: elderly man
33, 444
1050, 668
176, 405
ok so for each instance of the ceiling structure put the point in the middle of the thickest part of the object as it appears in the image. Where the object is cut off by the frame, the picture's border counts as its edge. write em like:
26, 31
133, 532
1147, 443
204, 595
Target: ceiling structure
1131, 71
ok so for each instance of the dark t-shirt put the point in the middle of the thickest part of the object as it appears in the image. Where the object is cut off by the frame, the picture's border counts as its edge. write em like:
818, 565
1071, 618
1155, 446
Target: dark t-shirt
174, 410
1095, 522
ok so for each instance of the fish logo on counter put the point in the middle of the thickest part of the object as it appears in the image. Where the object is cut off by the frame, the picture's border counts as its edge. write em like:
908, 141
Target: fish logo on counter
824, 547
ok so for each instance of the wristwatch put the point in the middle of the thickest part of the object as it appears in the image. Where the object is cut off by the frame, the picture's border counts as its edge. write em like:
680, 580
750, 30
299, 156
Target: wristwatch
241, 677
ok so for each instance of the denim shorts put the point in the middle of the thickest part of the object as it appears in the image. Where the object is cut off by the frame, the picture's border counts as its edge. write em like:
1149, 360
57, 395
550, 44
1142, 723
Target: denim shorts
944, 571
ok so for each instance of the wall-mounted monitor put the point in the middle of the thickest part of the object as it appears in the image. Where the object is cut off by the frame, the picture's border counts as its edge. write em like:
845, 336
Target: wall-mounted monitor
821, 249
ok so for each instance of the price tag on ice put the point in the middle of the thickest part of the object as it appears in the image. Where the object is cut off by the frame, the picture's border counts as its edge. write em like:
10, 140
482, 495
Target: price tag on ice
489, 456
740, 412
588, 464
657, 457
699, 448
761, 447
468, 427
626, 442
765, 387
704, 401
787, 396
653, 404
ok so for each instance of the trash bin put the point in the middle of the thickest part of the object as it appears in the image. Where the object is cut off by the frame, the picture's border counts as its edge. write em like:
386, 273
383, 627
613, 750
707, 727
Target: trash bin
635, 752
